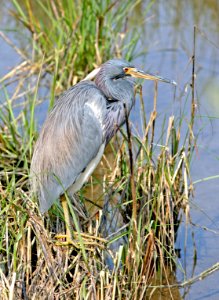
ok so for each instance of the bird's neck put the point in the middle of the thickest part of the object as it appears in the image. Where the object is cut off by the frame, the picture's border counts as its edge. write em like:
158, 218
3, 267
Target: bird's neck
120, 90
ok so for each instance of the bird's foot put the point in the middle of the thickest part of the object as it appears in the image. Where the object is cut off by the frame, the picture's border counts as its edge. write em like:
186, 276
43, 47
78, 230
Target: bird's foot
89, 242
66, 241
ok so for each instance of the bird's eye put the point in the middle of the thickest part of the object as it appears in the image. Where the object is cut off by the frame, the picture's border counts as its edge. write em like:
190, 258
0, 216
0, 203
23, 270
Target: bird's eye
125, 69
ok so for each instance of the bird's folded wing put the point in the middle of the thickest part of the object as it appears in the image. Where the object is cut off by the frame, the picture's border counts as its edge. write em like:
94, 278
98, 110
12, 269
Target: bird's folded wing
71, 138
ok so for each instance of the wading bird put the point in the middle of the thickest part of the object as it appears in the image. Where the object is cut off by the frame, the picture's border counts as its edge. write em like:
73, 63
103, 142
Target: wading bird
78, 128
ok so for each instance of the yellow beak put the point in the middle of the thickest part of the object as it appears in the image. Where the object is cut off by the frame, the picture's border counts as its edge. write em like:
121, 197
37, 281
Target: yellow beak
141, 74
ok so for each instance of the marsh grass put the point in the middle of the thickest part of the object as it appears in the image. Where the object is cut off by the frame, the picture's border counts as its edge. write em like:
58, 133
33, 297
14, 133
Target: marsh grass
44, 270
146, 186
32, 265
85, 33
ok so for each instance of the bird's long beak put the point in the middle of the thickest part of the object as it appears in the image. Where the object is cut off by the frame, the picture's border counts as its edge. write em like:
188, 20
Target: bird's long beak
148, 76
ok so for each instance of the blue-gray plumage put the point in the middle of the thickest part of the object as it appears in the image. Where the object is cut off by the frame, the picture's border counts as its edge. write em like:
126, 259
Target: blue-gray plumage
76, 131
82, 120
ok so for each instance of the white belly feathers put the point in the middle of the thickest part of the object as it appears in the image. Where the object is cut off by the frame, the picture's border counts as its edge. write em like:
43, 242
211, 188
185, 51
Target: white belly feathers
83, 177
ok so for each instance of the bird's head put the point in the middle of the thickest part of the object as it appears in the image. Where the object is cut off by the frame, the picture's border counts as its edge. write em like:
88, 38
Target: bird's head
109, 78
118, 68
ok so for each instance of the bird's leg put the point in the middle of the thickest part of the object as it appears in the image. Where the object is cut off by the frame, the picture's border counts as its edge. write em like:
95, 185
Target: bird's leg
87, 239
68, 235
67, 218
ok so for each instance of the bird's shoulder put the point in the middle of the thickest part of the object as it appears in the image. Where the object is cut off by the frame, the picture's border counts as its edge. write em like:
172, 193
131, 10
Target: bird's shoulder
82, 103
81, 92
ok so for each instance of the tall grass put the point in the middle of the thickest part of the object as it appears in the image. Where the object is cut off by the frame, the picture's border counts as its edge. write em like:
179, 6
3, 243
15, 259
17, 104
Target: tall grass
75, 36
140, 177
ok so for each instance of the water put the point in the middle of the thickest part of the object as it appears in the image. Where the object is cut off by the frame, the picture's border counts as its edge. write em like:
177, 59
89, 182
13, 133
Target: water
167, 34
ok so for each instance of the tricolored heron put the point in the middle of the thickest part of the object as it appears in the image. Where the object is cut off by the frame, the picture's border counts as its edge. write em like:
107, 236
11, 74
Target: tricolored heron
78, 128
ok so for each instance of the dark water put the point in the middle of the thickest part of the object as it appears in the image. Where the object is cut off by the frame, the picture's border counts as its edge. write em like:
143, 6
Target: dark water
167, 34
